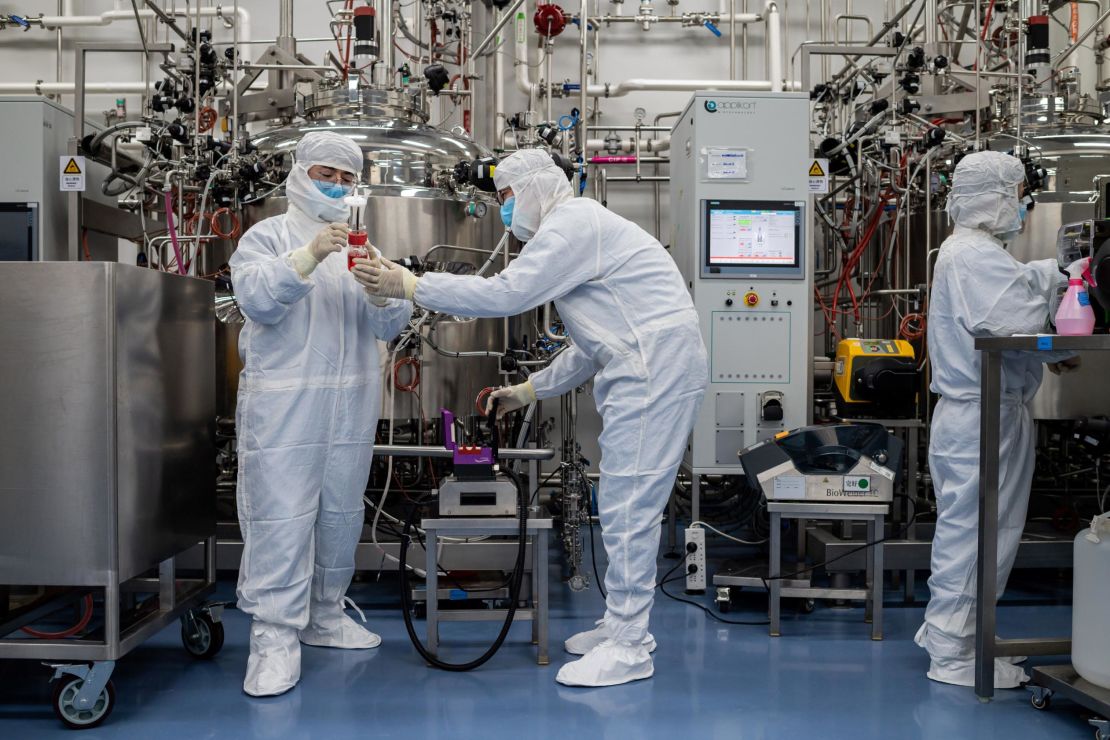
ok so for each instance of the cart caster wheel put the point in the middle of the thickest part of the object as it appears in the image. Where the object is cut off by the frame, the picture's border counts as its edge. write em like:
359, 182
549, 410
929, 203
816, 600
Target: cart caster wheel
806, 606
205, 638
75, 717
724, 598
1045, 702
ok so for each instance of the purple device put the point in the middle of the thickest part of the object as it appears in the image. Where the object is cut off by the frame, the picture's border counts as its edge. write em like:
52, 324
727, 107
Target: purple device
464, 454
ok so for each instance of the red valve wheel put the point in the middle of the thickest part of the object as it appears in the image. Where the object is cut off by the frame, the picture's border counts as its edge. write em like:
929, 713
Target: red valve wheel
550, 20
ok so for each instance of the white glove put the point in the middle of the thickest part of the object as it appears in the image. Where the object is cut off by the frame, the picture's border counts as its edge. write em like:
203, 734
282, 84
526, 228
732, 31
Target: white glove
389, 280
1063, 367
373, 261
329, 239
511, 398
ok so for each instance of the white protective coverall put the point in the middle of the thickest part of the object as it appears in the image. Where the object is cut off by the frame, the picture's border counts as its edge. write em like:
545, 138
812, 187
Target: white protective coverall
309, 398
979, 290
634, 329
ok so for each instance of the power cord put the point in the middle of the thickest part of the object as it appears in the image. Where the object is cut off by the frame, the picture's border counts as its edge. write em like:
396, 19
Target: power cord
666, 579
593, 559
661, 585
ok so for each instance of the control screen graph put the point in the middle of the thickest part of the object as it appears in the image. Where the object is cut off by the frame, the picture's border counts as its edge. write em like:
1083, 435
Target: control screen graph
753, 237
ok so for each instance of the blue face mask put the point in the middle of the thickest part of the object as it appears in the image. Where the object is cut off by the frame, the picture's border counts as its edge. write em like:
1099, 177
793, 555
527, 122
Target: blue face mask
507, 211
332, 189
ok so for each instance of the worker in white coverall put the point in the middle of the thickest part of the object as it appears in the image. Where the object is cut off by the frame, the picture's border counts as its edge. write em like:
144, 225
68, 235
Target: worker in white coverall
633, 328
979, 290
309, 397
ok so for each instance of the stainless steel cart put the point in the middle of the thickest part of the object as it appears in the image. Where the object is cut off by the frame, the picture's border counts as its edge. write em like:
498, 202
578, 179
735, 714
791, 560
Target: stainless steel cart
1048, 681
108, 394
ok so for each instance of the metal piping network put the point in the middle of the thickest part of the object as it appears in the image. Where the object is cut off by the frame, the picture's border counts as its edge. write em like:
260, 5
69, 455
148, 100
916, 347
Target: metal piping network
523, 80
627, 146
242, 22
67, 88
107, 18
771, 17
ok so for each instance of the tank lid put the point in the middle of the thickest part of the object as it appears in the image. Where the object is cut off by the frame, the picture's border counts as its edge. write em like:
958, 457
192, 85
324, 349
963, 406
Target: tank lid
329, 101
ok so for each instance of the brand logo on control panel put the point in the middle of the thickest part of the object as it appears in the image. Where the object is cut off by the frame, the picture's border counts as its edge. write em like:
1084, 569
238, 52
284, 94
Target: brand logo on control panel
740, 107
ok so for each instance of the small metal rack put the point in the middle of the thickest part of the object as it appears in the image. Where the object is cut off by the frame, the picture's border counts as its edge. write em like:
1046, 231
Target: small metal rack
801, 587
538, 529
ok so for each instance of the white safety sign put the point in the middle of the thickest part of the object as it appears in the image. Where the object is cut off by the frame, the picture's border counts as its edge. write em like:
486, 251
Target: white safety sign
819, 176
790, 488
72, 173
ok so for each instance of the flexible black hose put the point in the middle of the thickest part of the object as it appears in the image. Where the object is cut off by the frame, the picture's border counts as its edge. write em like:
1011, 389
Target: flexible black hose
514, 586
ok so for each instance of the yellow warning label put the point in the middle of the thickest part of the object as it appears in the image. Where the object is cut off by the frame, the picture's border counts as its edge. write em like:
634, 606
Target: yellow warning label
815, 169
72, 168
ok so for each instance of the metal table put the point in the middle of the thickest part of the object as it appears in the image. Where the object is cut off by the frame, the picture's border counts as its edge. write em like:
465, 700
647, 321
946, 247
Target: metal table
538, 529
873, 514
987, 646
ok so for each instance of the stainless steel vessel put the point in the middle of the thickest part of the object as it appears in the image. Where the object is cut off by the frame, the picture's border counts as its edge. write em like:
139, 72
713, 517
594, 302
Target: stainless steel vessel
412, 212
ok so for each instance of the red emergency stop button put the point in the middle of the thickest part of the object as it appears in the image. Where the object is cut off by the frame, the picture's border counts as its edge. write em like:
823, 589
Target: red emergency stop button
751, 300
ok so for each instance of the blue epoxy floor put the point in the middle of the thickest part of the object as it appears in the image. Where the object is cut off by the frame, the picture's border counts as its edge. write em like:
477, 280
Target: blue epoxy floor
823, 679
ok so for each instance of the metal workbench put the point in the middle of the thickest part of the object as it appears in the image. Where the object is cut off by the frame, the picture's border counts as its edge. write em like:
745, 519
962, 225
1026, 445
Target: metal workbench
987, 646
538, 529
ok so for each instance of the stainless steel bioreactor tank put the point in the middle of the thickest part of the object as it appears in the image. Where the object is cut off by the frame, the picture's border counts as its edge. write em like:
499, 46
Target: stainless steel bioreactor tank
1075, 157
411, 213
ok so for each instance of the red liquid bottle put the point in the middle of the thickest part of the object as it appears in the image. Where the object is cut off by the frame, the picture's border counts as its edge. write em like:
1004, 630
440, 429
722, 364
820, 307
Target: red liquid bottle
356, 247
